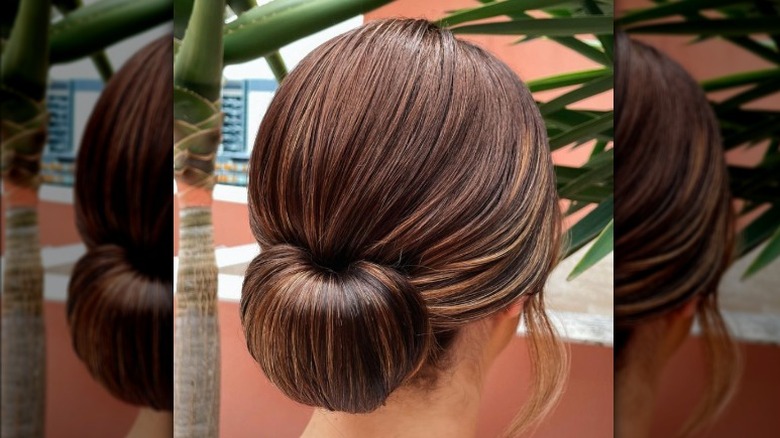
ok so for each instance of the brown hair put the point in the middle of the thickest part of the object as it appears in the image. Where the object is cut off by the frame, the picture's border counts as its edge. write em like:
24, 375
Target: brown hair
120, 296
673, 219
400, 188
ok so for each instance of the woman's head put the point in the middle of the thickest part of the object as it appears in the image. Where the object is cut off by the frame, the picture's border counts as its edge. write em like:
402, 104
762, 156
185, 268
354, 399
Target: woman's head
673, 218
120, 297
400, 188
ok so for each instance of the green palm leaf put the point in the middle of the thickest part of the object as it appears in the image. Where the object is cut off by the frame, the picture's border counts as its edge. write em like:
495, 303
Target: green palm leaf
96, 26
542, 27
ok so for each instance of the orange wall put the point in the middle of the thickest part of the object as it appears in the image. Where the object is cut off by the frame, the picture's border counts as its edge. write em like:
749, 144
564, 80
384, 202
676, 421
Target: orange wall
76, 405
752, 413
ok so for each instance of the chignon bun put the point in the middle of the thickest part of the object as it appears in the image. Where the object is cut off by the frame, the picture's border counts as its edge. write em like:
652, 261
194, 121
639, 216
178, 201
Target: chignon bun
119, 318
343, 340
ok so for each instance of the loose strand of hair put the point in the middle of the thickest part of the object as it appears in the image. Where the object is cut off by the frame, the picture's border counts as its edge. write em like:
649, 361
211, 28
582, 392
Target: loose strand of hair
549, 358
725, 363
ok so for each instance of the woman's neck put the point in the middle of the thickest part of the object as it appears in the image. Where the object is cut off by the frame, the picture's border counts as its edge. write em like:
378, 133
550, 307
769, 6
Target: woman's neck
450, 410
635, 397
640, 367
637, 376
152, 424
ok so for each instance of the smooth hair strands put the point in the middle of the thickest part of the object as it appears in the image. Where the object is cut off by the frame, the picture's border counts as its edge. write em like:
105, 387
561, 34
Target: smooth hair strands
673, 219
400, 187
120, 296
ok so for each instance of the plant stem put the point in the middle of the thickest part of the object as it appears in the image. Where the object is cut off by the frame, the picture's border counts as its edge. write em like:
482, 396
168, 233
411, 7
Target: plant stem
197, 77
23, 120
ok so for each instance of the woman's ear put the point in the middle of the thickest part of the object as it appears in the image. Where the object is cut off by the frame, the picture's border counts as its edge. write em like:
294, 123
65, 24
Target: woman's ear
688, 310
679, 324
502, 327
515, 309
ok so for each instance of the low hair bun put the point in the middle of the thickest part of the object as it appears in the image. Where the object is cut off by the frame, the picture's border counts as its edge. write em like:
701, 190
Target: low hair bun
121, 322
337, 339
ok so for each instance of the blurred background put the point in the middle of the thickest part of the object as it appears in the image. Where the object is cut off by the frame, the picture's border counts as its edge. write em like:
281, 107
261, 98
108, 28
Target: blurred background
749, 297
75, 404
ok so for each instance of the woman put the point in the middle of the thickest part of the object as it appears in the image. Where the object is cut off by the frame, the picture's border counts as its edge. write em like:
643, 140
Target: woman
120, 297
403, 196
674, 234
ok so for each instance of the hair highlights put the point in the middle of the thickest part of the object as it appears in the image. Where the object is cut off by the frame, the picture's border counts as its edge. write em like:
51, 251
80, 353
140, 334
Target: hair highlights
673, 217
400, 188
120, 296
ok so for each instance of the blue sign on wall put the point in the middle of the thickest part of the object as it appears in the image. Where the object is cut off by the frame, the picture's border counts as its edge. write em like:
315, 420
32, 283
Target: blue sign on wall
71, 101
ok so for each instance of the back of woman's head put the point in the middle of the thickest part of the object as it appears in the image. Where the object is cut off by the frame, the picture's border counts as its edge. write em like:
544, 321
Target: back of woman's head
400, 188
120, 297
673, 218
